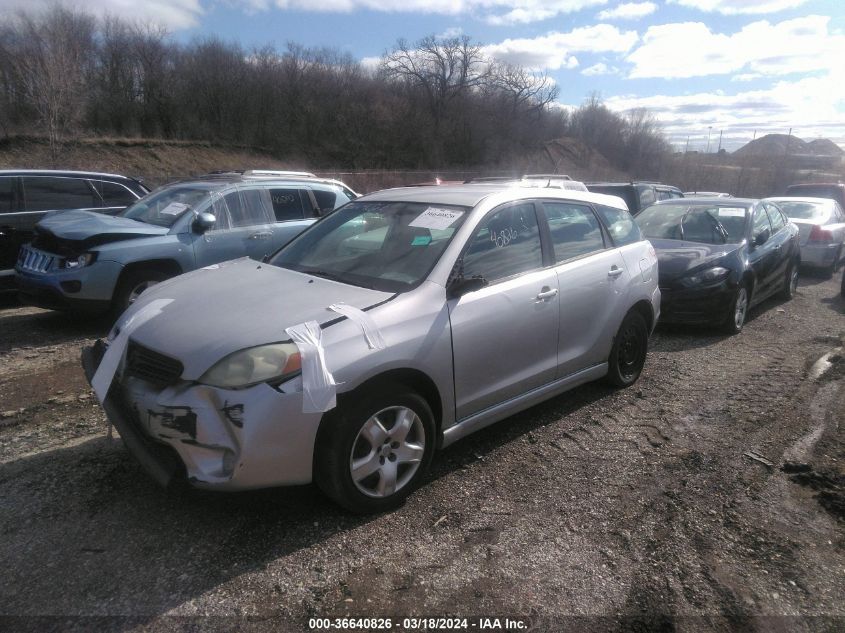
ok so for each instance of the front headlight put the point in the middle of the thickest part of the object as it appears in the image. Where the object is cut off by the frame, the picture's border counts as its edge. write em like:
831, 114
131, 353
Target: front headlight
251, 366
709, 276
82, 260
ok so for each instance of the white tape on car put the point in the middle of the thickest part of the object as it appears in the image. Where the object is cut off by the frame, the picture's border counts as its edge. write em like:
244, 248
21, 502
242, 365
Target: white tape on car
371, 332
101, 381
318, 385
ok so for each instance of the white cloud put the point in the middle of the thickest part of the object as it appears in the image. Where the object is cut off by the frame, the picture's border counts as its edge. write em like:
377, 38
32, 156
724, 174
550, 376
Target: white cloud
174, 14
740, 7
600, 69
555, 50
813, 106
452, 31
628, 11
691, 49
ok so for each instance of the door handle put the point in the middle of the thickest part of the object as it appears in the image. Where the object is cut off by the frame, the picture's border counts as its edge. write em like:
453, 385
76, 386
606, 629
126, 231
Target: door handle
546, 293
261, 235
614, 271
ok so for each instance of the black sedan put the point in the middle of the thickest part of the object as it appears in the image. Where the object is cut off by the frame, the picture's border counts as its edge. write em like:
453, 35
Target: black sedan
718, 257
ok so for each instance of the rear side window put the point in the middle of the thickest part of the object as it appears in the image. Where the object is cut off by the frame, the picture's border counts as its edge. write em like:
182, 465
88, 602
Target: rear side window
7, 194
287, 204
50, 193
647, 197
621, 226
507, 243
113, 194
574, 229
328, 200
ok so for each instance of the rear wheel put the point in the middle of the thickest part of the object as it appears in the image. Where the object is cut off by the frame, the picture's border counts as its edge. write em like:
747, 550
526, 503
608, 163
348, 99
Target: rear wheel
627, 357
738, 312
375, 453
831, 270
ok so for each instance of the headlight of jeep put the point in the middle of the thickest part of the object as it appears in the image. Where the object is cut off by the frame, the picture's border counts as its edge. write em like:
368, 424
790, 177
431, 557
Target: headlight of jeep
82, 260
254, 365
709, 276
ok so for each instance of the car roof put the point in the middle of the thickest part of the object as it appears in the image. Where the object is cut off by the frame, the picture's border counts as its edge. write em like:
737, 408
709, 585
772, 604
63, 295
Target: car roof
224, 178
817, 184
62, 173
469, 195
716, 200
633, 183
827, 201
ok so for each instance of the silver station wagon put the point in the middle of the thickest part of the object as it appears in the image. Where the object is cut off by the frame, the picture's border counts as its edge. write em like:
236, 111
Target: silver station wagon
386, 331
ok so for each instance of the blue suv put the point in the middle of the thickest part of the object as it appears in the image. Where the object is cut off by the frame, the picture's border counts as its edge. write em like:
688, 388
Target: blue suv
94, 263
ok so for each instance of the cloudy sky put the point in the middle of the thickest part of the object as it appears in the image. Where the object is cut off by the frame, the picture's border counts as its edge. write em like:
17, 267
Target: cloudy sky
702, 66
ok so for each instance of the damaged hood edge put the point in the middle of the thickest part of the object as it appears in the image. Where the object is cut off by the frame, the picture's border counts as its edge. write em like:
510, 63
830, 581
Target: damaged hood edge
237, 305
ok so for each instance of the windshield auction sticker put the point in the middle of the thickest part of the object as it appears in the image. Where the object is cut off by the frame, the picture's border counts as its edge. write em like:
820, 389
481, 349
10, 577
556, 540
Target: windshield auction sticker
731, 212
434, 218
174, 208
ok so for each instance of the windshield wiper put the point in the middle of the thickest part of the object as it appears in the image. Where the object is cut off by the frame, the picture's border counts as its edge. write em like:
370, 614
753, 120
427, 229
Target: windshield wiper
719, 227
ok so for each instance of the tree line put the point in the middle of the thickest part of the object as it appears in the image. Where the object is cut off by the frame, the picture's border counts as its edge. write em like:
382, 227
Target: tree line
435, 103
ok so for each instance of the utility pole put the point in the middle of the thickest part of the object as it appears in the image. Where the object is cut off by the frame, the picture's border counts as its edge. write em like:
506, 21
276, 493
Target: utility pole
709, 129
720, 141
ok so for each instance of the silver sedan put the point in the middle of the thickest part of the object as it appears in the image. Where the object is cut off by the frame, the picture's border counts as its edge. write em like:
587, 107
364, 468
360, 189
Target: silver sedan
391, 328
821, 226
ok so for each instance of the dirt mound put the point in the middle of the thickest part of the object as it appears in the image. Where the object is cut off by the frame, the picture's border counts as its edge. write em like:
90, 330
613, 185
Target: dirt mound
783, 144
825, 147
570, 156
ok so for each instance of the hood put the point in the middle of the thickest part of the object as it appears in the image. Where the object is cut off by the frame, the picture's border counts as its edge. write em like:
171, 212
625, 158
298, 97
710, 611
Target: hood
676, 258
90, 228
236, 305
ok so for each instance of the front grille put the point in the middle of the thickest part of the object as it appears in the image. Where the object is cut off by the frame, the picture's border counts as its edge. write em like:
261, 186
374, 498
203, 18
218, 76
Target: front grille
34, 260
155, 368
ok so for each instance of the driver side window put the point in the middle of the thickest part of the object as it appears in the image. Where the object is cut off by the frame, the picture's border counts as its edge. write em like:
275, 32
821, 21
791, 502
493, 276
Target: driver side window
761, 223
506, 243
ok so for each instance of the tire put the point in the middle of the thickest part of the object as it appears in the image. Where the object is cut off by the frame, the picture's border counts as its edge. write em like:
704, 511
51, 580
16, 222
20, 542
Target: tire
830, 271
628, 354
132, 285
790, 282
366, 437
738, 312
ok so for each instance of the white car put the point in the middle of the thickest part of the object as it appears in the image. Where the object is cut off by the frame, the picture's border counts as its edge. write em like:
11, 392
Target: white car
821, 226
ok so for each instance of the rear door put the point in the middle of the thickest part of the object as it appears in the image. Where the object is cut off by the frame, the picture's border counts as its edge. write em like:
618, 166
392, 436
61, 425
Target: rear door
505, 336
592, 276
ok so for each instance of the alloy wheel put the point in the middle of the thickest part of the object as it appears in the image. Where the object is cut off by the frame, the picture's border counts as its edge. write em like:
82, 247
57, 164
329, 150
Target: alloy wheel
387, 451
740, 308
137, 290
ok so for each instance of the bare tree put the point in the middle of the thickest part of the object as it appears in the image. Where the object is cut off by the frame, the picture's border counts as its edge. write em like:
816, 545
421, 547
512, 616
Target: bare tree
442, 70
51, 60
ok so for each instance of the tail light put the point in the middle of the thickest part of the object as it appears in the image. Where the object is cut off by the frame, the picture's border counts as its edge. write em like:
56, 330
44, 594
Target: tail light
818, 234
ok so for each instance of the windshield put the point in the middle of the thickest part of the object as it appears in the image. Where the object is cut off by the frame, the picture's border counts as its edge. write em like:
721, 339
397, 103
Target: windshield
715, 224
804, 210
165, 206
388, 246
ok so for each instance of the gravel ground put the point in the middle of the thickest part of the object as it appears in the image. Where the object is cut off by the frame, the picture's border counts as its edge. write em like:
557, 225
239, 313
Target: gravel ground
709, 496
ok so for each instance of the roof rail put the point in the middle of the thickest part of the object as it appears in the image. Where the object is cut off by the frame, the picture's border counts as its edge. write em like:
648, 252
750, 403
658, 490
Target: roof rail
279, 173
558, 176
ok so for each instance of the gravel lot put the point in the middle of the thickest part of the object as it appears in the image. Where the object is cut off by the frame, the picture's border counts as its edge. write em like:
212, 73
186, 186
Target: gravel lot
601, 509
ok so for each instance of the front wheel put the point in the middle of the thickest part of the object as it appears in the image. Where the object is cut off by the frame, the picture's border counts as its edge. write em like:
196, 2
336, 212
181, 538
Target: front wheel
375, 453
738, 312
133, 284
790, 282
627, 357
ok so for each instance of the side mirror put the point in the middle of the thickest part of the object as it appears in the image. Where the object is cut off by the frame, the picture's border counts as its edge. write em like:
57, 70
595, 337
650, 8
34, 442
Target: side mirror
203, 222
462, 285
762, 237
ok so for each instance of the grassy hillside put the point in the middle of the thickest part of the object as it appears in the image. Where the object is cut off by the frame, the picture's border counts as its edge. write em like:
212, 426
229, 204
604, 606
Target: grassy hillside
155, 161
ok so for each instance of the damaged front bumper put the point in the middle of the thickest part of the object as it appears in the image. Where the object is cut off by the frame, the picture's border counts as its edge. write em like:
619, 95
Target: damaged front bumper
228, 439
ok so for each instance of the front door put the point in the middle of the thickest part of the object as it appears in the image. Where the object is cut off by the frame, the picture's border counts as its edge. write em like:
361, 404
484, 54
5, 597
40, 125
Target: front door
763, 258
504, 336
